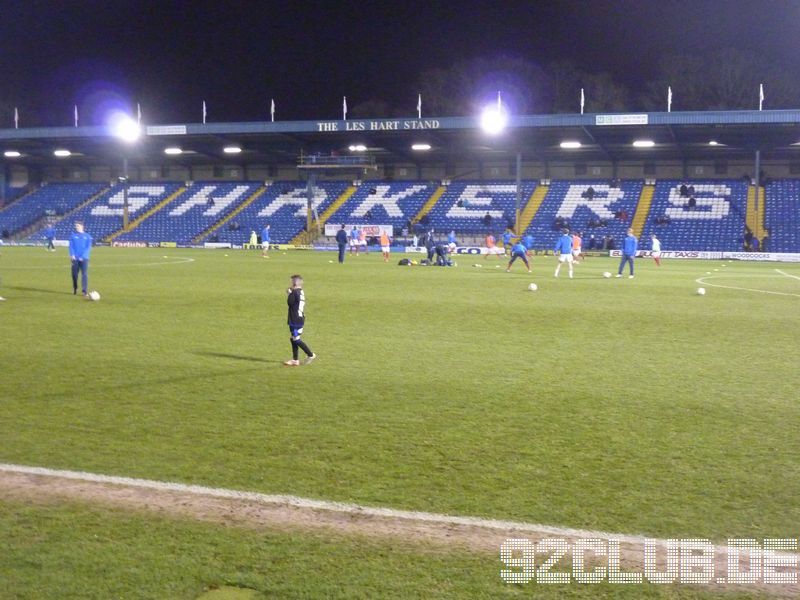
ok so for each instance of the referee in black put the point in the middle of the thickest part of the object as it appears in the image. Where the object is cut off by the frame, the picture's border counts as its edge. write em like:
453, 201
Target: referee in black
341, 240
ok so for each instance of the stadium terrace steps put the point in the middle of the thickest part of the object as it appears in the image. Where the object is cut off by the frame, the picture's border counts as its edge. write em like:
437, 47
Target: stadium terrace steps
428, 206
531, 208
137, 221
756, 211
43, 222
327, 213
643, 209
248, 201
13, 201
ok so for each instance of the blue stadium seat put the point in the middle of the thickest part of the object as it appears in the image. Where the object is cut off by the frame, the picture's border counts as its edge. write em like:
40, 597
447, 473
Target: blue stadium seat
783, 216
56, 198
565, 199
388, 203
715, 224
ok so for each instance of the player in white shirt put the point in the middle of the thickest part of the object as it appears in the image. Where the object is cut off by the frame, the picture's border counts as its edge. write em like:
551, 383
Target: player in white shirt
655, 249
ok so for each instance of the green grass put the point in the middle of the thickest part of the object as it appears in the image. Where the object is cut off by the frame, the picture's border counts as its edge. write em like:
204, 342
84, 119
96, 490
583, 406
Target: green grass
631, 406
73, 551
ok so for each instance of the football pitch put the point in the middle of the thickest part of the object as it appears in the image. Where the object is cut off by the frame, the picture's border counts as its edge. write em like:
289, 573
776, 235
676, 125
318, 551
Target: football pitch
629, 406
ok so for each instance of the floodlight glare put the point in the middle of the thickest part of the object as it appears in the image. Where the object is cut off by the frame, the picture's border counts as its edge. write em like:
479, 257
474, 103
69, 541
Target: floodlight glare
124, 128
62, 153
357, 148
494, 119
172, 151
570, 145
643, 143
231, 150
11, 154
421, 147
713, 143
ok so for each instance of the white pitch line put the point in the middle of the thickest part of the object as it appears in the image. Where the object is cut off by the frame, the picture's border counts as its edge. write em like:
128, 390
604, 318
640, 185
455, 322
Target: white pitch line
179, 260
509, 527
788, 274
744, 289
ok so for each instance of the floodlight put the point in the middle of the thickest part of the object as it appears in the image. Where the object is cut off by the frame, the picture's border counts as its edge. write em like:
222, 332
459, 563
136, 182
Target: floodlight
494, 119
570, 145
62, 153
713, 143
357, 148
421, 147
11, 154
173, 150
231, 149
124, 128
643, 143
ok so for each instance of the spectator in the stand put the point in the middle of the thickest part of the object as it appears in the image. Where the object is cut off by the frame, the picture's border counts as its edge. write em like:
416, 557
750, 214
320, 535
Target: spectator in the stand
368, 214
756, 244
623, 216
589, 193
591, 243
690, 189
210, 200
684, 191
692, 203
460, 203
748, 239
611, 244
341, 241
487, 220
764, 240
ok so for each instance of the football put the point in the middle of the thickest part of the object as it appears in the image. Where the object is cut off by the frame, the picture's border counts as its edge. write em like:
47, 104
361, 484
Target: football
533, 287
701, 291
606, 274
94, 295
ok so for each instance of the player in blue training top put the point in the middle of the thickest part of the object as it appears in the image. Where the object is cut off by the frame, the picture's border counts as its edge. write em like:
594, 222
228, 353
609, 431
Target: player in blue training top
507, 247
354, 239
518, 251
297, 320
564, 250
265, 241
49, 236
629, 247
527, 241
80, 247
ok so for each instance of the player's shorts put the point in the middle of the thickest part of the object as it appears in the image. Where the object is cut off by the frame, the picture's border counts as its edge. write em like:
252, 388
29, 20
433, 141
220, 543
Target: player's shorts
565, 258
495, 250
385, 248
656, 254
353, 243
362, 242
296, 331
576, 253
451, 247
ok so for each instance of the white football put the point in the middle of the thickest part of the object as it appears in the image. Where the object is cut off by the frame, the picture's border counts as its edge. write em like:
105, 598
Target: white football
606, 274
701, 291
533, 287
94, 295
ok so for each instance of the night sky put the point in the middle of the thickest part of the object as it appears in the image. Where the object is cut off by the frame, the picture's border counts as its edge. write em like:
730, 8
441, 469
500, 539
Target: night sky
237, 55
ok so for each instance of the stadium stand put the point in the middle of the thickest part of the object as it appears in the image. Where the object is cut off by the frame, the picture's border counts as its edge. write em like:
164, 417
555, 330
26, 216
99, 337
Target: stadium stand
191, 212
394, 203
104, 216
607, 213
283, 206
715, 224
783, 216
51, 199
465, 204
